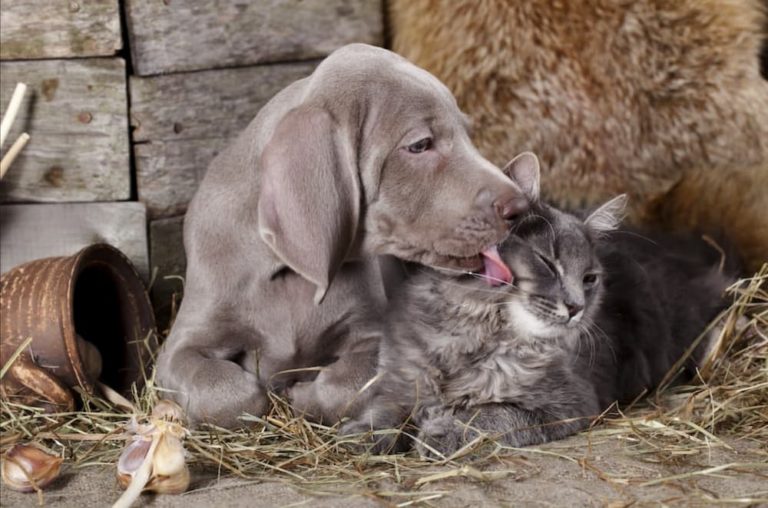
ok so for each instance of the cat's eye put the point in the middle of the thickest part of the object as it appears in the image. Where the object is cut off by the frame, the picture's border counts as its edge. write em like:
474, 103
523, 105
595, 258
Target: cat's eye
549, 264
590, 279
420, 146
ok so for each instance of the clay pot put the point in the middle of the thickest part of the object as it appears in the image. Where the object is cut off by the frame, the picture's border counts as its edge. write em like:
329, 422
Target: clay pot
67, 304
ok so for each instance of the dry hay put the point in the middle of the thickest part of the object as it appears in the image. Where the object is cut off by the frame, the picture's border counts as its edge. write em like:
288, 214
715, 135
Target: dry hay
674, 425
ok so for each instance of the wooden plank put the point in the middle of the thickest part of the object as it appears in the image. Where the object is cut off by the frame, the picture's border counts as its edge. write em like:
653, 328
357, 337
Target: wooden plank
77, 114
168, 173
33, 231
182, 121
206, 104
171, 35
30, 29
169, 265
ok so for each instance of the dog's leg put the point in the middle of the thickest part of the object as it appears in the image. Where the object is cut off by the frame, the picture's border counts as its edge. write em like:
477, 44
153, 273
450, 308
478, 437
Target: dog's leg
210, 389
342, 388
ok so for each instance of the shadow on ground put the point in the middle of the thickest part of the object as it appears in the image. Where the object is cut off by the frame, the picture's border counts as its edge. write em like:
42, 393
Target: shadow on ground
581, 471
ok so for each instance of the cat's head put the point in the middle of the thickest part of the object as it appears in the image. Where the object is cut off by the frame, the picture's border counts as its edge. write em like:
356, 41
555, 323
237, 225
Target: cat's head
557, 279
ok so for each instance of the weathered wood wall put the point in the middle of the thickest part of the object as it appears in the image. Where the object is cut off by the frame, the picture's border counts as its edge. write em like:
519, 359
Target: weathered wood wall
169, 264
200, 79
181, 121
61, 29
172, 35
32, 231
77, 114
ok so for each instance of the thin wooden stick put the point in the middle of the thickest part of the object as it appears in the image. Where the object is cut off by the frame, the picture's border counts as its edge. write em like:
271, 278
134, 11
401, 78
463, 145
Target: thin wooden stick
13, 152
115, 398
12, 111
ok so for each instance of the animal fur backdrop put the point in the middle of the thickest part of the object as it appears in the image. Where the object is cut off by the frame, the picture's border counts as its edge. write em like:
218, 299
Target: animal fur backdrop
662, 99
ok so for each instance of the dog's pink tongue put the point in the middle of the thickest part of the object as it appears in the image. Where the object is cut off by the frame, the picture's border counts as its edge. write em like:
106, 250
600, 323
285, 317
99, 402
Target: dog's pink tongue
495, 271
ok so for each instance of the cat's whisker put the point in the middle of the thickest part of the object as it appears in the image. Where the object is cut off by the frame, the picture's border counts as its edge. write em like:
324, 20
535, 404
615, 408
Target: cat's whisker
636, 234
590, 339
594, 333
504, 288
606, 339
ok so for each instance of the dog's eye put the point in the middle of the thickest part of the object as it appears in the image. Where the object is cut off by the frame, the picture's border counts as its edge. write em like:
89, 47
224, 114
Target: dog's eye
421, 145
590, 279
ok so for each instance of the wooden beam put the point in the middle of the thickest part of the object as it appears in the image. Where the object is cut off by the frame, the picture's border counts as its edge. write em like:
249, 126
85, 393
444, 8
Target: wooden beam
169, 265
34, 231
181, 121
76, 112
172, 35
30, 29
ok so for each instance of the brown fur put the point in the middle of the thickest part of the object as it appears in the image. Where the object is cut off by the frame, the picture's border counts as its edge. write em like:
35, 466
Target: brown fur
614, 96
744, 220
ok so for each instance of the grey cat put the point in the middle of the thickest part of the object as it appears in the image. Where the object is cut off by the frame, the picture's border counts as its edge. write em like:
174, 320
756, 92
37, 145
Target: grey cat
571, 316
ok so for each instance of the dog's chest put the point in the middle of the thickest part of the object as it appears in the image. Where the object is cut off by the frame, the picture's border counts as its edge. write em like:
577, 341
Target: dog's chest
304, 335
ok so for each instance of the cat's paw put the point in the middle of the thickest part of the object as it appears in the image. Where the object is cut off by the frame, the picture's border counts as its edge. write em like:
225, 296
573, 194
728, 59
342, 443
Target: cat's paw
441, 437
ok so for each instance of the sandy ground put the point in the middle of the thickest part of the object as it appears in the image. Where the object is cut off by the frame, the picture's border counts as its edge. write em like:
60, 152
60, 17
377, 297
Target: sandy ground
581, 471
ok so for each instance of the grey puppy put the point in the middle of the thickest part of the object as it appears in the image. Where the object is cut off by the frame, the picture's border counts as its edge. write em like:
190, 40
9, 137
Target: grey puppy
367, 156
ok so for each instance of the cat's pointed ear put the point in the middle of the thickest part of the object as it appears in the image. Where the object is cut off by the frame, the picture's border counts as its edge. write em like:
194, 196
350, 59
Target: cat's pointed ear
524, 171
608, 216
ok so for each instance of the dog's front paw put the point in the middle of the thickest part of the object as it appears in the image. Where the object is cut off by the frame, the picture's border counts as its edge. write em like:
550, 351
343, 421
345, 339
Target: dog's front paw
441, 437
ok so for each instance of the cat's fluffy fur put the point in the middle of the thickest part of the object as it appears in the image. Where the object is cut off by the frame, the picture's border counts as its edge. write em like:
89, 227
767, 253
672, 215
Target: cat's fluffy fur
614, 96
592, 317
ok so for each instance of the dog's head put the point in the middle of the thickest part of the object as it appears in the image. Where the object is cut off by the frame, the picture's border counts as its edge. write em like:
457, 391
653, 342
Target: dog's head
377, 159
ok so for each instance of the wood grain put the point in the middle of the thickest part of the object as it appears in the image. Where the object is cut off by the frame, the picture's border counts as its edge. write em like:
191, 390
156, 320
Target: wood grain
76, 112
169, 265
182, 121
172, 35
33, 231
31, 29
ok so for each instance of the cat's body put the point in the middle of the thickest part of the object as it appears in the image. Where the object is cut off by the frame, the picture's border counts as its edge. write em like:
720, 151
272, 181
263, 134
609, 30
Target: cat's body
448, 356
592, 317
662, 292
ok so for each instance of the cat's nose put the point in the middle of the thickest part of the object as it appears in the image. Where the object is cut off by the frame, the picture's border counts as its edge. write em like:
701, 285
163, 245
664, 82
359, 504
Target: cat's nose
573, 309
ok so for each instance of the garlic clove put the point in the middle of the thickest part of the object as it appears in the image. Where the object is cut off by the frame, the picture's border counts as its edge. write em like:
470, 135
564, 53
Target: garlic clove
27, 468
169, 456
123, 480
176, 484
131, 459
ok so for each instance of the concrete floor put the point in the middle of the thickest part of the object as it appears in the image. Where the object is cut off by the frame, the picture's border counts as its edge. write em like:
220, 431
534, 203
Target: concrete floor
604, 473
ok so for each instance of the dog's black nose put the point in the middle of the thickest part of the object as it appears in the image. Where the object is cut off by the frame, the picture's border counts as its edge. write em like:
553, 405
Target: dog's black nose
510, 208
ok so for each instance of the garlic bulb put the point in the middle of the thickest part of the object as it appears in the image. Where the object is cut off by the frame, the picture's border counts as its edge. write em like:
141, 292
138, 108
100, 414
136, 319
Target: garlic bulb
27, 468
154, 460
169, 456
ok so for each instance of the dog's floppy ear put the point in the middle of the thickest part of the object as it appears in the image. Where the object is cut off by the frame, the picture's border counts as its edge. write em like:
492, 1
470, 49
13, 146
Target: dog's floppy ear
524, 171
309, 200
